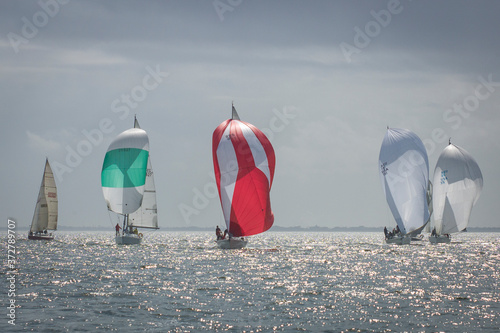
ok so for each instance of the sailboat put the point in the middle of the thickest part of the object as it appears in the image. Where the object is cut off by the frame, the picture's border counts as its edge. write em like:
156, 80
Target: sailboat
404, 173
128, 184
45, 216
457, 186
244, 164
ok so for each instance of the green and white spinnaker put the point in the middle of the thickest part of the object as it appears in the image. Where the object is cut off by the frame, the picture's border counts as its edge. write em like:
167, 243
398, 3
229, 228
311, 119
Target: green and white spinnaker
124, 171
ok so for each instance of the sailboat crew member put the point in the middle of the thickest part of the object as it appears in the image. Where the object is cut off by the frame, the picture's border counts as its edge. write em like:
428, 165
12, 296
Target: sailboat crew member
117, 228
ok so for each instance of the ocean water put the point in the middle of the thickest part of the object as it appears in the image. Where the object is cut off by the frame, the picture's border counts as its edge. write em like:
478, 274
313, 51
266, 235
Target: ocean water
291, 282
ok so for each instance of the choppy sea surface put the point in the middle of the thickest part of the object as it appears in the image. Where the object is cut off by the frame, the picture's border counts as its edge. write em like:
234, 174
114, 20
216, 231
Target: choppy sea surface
318, 282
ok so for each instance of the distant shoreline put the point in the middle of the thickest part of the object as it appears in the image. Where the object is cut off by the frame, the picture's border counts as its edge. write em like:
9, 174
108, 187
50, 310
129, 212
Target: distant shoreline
273, 229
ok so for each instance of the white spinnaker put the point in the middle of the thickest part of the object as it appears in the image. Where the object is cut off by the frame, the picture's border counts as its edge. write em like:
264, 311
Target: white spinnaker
457, 186
404, 173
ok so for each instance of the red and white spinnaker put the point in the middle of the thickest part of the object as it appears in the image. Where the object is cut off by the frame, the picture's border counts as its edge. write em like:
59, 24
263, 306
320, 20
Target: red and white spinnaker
244, 169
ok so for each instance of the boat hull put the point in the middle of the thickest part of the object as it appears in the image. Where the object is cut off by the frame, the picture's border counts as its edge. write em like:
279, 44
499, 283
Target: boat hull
41, 237
439, 239
417, 239
233, 243
128, 240
398, 240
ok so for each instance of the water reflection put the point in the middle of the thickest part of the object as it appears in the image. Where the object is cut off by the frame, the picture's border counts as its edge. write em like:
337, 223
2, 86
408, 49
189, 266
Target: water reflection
304, 281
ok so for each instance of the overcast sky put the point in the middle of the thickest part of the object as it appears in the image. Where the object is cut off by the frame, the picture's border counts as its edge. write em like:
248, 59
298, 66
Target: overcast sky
323, 79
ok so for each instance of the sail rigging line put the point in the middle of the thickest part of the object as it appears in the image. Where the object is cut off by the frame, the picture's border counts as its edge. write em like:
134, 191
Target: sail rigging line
111, 219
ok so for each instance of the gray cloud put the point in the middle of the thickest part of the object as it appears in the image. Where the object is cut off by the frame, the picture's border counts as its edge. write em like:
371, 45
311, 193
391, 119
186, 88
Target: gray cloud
265, 56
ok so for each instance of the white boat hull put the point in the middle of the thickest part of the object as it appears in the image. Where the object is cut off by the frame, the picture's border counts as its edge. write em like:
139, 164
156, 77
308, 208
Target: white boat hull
417, 238
439, 239
128, 240
41, 237
233, 243
398, 240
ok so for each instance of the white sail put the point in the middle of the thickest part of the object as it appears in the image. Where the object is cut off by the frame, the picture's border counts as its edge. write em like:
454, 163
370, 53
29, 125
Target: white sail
136, 123
404, 173
146, 216
457, 186
45, 216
